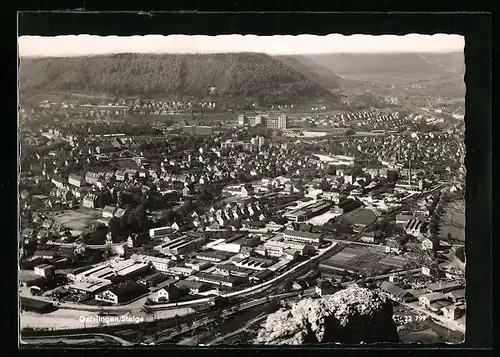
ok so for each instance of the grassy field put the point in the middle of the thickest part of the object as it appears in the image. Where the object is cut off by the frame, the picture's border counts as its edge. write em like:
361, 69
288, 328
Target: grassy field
76, 219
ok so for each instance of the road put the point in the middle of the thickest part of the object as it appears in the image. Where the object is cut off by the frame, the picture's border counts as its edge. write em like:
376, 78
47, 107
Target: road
62, 338
138, 305
385, 276
90, 246
135, 305
450, 324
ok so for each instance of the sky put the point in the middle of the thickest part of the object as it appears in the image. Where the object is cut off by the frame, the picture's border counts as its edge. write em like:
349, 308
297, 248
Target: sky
71, 45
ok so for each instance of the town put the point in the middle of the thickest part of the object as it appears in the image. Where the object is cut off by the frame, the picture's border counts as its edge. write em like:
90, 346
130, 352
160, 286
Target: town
199, 206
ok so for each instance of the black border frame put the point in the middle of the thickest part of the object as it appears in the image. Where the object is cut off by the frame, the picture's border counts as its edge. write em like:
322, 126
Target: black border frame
476, 27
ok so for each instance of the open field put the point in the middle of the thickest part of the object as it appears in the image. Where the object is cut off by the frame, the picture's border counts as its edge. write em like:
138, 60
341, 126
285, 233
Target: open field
76, 219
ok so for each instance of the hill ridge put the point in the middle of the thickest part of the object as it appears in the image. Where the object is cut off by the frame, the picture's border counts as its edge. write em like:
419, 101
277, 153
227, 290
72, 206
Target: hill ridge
243, 74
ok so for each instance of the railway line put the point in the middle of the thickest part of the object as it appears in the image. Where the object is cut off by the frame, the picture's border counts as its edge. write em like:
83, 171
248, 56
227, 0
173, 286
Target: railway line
254, 291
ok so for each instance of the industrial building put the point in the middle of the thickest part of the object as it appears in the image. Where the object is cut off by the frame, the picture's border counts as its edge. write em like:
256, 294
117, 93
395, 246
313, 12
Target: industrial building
89, 288
181, 245
254, 263
106, 272
232, 270
309, 211
284, 249
213, 256
44, 270
303, 237
198, 130
197, 264
416, 227
160, 232
220, 280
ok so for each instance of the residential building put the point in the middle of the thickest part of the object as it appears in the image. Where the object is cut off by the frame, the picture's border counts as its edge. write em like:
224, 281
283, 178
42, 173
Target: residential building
430, 271
453, 312
427, 299
123, 293
242, 119
93, 177
168, 293
393, 246
110, 175
121, 175
120, 212
91, 201
58, 182
325, 287
394, 279
76, 180
430, 244
277, 122
247, 190
108, 211
397, 293
456, 295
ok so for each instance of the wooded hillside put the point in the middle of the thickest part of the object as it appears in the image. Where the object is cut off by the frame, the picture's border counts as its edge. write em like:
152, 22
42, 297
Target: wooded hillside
232, 75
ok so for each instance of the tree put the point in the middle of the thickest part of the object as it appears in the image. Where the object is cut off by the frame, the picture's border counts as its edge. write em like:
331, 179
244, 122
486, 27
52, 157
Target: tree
392, 176
115, 227
237, 224
96, 257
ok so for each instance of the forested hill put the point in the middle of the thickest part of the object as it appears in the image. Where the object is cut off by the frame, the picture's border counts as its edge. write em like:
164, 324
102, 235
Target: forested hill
232, 75
312, 71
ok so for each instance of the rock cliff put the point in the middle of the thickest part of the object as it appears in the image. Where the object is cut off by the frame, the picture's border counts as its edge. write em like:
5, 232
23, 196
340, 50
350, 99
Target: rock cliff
349, 316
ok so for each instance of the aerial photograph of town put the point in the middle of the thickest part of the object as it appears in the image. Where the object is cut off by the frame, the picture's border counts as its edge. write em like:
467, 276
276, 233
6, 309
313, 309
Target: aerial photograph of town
241, 190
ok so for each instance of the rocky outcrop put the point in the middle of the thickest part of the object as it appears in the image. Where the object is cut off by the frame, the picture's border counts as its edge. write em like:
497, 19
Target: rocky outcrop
349, 316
